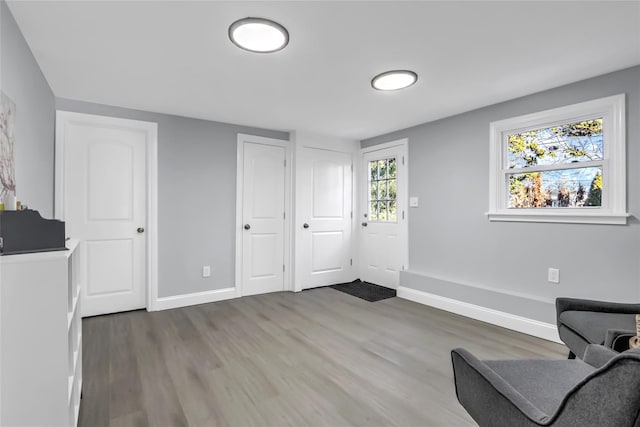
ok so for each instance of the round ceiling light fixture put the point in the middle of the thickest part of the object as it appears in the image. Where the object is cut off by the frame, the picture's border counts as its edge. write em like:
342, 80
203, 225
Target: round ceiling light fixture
394, 80
258, 35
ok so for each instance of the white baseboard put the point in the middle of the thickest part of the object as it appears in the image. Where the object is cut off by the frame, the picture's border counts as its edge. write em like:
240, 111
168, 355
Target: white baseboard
177, 301
525, 325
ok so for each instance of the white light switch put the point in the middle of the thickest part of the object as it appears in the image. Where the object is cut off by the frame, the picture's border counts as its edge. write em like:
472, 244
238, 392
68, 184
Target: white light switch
206, 271
413, 202
553, 275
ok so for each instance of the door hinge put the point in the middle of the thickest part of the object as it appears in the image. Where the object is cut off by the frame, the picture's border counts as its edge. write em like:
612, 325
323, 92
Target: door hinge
351, 167
283, 268
351, 214
284, 215
403, 268
351, 261
402, 214
403, 160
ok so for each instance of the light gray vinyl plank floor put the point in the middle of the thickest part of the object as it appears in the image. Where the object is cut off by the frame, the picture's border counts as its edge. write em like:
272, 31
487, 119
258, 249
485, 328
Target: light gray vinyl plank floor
314, 358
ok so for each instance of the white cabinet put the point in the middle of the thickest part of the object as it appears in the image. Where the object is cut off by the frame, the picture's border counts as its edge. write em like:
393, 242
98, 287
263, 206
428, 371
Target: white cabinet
40, 339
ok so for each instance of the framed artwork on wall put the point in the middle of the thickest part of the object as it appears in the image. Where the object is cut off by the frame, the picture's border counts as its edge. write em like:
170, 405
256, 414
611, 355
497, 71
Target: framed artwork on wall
7, 163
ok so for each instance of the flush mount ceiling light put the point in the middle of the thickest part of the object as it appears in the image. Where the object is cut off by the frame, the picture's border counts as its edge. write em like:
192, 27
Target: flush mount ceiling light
258, 35
394, 80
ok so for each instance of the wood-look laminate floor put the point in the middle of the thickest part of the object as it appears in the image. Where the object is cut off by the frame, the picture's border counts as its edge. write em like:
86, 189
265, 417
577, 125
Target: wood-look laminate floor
314, 358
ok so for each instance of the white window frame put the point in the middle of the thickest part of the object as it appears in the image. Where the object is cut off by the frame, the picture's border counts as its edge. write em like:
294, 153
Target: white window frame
614, 193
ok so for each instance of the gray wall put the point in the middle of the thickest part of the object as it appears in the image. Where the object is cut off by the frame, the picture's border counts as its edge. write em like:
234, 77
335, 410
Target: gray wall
196, 196
455, 252
23, 82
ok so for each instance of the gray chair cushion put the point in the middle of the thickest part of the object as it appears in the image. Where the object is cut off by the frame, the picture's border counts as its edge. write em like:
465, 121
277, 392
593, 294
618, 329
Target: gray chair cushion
593, 326
564, 393
576, 343
531, 378
598, 355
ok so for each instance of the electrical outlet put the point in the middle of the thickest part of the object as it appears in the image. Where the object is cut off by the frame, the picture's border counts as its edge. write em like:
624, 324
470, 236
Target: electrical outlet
206, 271
553, 275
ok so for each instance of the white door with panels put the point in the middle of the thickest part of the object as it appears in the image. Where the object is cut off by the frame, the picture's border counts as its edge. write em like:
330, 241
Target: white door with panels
324, 196
383, 216
102, 195
263, 207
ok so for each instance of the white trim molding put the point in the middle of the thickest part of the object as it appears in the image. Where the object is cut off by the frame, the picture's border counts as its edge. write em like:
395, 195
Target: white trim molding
177, 301
563, 216
403, 142
613, 210
525, 325
152, 220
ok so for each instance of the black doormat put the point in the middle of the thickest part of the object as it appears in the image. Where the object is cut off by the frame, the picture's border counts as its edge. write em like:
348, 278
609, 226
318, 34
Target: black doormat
366, 291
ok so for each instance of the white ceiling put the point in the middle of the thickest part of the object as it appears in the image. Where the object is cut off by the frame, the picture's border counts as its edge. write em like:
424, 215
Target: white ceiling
175, 57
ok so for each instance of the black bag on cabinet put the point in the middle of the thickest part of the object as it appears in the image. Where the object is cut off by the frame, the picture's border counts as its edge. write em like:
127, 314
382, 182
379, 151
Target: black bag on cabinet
26, 231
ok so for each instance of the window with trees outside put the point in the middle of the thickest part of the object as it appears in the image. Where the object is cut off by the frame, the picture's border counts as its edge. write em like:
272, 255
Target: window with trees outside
382, 190
561, 165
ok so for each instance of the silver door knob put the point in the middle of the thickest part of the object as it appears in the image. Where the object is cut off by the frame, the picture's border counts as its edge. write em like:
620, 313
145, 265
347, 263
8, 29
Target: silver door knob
364, 224
140, 230
247, 227
305, 225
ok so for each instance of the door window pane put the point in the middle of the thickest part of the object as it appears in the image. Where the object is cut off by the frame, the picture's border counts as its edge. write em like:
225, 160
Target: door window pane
382, 190
392, 168
373, 166
382, 169
382, 211
373, 211
392, 211
392, 189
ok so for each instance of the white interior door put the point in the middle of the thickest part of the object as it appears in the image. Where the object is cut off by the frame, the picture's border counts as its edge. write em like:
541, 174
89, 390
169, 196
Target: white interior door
383, 225
104, 204
263, 217
324, 197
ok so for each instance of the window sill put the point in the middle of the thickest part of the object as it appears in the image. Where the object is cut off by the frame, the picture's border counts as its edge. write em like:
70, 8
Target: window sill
560, 217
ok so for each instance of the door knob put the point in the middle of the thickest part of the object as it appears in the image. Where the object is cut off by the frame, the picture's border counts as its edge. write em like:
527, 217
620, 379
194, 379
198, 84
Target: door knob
364, 224
247, 226
140, 230
305, 225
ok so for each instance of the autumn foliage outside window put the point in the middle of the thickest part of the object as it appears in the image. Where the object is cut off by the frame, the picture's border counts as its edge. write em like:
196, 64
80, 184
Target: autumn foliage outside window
556, 167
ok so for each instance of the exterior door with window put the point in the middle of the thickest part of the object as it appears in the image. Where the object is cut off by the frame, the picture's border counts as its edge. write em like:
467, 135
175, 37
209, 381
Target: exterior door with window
383, 229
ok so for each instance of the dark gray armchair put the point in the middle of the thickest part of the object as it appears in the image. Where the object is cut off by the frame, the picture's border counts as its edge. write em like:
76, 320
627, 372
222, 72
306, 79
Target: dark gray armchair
582, 322
601, 391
